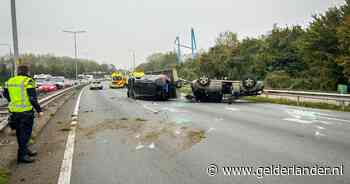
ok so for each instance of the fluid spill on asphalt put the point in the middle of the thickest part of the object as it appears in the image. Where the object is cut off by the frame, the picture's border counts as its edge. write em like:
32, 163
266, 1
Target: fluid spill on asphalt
307, 116
170, 138
182, 121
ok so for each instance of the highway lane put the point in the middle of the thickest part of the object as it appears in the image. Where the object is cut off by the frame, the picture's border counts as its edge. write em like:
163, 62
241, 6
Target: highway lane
241, 134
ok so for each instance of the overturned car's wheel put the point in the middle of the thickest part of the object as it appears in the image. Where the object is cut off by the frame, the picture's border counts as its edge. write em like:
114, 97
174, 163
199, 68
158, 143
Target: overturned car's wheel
204, 81
249, 82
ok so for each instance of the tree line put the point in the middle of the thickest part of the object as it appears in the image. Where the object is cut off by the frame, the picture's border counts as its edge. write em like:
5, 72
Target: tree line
312, 58
53, 65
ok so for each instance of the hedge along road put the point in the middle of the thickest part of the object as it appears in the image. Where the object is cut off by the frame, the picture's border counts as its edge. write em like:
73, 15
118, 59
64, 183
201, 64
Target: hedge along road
120, 140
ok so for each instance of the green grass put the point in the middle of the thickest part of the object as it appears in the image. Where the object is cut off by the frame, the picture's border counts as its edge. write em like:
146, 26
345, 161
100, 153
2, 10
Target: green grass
318, 105
4, 176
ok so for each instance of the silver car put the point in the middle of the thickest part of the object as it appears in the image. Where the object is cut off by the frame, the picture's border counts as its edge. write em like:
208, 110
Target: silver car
96, 85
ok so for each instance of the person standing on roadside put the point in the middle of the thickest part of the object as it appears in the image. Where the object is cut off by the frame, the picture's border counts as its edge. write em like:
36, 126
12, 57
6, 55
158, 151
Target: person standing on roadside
21, 94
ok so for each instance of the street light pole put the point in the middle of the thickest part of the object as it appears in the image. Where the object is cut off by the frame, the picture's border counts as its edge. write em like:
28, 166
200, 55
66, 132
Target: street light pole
133, 59
14, 35
75, 49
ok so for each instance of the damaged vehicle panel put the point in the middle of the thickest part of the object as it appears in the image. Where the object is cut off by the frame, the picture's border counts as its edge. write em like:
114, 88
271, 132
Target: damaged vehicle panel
205, 89
161, 85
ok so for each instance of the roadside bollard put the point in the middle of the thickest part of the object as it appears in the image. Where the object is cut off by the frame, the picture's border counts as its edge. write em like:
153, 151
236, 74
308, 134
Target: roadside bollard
298, 100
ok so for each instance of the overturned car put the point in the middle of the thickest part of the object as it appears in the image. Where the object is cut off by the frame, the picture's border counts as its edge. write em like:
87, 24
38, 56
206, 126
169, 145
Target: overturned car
205, 89
155, 85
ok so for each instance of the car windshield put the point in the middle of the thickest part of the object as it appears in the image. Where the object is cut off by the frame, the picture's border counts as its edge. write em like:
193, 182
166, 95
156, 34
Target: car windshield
117, 78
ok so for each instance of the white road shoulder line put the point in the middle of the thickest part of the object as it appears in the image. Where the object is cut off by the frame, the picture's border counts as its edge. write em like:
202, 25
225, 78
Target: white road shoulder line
66, 167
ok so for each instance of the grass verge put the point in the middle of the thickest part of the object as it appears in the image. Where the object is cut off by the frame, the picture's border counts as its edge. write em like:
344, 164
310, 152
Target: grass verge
186, 89
4, 176
318, 105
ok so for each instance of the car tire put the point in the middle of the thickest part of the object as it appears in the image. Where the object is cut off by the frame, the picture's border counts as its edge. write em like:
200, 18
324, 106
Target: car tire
203, 81
249, 82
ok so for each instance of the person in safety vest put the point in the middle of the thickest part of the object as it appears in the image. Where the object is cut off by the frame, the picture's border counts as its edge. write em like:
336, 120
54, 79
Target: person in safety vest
21, 95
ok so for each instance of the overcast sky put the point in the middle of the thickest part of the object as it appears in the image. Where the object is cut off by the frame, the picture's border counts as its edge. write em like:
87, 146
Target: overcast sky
115, 27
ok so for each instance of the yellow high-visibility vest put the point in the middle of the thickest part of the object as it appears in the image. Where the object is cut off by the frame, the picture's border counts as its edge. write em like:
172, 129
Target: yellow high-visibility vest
17, 87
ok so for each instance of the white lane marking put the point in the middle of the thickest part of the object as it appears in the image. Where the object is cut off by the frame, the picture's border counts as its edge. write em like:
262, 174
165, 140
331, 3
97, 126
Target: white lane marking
150, 109
66, 167
336, 119
319, 127
298, 120
325, 122
232, 109
76, 109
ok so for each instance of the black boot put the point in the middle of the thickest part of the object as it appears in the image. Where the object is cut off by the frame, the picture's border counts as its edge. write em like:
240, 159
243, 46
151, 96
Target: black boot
32, 153
26, 160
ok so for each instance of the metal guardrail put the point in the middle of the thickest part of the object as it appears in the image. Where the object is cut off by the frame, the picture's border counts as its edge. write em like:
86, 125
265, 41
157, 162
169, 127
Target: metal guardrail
43, 102
341, 99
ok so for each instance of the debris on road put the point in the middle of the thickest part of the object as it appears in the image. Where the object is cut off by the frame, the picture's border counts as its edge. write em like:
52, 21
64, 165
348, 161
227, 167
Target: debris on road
210, 129
140, 119
140, 146
87, 111
151, 146
196, 135
65, 129
169, 137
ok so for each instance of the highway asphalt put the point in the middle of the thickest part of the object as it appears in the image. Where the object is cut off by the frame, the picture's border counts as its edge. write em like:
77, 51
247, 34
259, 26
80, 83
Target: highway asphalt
120, 140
